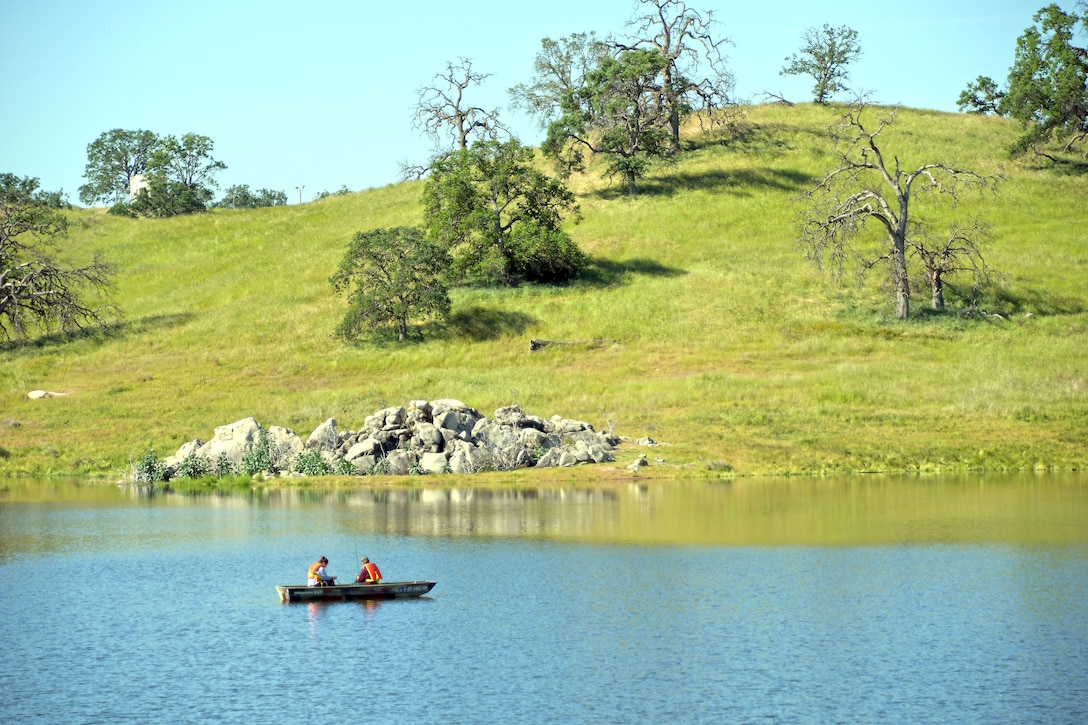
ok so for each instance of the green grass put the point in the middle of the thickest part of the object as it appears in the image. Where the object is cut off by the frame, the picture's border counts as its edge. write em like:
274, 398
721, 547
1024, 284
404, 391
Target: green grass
719, 339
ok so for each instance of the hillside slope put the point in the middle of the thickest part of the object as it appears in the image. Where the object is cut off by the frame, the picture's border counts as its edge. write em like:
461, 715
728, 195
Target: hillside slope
720, 340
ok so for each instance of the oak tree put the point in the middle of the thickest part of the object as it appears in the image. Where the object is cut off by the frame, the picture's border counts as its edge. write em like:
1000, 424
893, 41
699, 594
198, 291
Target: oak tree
982, 96
957, 252
863, 210
499, 216
391, 276
1048, 83
444, 113
620, 114
825, 53
694, 75
560, 71
181, 177
37, 288
113, 159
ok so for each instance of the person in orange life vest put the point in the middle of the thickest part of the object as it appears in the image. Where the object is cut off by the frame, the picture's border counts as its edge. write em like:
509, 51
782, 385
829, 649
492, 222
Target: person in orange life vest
370, 574
317, 576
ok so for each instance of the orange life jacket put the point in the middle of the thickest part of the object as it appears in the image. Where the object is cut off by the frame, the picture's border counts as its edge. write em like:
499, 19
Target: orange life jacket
312, 574
371, 573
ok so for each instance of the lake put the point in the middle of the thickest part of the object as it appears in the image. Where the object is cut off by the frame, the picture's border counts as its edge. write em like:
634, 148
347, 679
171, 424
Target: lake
868, 599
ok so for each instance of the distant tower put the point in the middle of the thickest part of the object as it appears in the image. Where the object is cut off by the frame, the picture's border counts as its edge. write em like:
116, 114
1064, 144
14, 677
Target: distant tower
137, 182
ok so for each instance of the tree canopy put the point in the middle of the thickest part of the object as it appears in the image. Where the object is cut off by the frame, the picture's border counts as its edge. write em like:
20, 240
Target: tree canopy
181, 177
113, 159
982, 96
626, 98
561, 69
240, 196
694, 74
1047, 86
1048, 82
36, 287
825, 54
391, 276
619, 113
499, 216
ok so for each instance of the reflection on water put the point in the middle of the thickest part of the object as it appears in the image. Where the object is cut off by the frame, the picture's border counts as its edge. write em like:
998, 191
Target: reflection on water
746, 512
1023, 508
803, 600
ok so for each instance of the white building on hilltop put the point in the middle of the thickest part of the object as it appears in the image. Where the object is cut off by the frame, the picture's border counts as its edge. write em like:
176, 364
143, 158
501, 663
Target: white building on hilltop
137, 182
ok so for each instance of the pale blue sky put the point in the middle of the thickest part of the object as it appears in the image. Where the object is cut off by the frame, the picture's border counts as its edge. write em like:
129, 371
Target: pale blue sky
320, 94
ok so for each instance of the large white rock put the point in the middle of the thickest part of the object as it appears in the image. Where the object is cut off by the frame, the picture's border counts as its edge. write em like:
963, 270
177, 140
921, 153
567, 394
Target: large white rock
465, 458
365, 447
450, 404
399, 462
324, 437
429, 438
40, 394
433, 462
235, 440
284, 446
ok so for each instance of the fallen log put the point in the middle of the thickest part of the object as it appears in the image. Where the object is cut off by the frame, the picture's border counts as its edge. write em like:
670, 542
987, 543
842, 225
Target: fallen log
535, 344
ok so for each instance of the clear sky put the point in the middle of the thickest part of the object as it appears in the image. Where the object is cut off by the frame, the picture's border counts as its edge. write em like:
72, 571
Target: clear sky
320, 94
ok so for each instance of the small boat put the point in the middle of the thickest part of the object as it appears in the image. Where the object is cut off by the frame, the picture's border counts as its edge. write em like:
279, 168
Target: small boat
343, 592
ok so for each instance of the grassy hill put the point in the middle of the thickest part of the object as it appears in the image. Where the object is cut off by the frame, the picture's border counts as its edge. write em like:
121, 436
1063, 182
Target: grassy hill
721, 341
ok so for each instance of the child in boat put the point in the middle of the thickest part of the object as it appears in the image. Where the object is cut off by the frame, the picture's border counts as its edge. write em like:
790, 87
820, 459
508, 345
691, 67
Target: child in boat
370, 573
317, 576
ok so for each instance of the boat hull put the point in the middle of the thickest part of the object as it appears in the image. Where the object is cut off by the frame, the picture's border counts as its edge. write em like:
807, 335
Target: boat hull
344, 592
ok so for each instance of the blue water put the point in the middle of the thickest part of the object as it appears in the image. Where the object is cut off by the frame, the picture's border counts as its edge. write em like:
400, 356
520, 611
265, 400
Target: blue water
152, 611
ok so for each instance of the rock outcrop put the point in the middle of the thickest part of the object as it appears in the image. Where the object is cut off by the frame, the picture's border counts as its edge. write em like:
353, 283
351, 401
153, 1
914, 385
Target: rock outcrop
438, 436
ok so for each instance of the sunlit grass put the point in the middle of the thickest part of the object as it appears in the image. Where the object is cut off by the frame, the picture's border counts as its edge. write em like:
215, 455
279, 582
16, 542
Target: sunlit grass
710, 332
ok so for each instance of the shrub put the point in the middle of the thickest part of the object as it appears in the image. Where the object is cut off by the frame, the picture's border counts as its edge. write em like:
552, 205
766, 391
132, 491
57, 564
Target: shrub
311, 463
380, 468
194, 466
259, 460
342, 191
148, 468
224, 466
122, 209
240, 196
344, 467
545, 255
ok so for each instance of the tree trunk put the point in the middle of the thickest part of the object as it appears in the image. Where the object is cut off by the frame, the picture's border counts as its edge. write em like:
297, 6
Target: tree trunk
902, 303
632, 182
506, 274
402, 329
899, 257
900, 280
822, 82
673, 102
938, 290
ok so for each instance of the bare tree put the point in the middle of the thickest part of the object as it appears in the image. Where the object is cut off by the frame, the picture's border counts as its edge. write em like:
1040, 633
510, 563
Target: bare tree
868, 187
444, 114
686, 40
35, 288
960, 251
